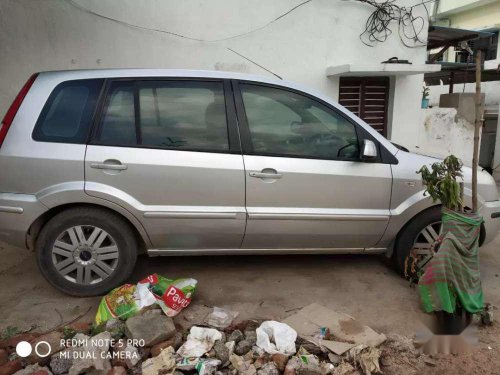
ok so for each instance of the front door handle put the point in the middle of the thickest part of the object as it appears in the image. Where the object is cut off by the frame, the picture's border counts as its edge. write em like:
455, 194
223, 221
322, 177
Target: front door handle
106, 165
266, 173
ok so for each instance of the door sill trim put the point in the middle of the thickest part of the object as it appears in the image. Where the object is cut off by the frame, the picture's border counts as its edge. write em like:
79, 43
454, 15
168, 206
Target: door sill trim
192, 215
180, 252
333, 217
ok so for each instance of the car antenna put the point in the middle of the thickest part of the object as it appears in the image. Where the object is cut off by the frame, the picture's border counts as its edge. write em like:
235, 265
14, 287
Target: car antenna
253, 62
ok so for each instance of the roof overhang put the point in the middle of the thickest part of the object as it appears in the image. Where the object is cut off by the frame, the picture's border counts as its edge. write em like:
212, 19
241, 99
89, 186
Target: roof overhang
441, 36
380, 69
456, 73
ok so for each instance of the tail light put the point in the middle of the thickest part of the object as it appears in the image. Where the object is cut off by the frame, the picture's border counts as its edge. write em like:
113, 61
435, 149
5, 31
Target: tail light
11, 113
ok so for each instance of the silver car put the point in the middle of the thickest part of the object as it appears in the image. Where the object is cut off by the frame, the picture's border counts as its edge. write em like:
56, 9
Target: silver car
98, 166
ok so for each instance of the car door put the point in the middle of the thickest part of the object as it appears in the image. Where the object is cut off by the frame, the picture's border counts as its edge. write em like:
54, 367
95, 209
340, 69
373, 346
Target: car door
306, 186
162, 150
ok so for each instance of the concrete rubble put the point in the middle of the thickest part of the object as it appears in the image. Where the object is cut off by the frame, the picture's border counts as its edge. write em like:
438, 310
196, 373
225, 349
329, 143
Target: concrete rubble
152, 328
311, 318
34, 369
314, 341
89, 357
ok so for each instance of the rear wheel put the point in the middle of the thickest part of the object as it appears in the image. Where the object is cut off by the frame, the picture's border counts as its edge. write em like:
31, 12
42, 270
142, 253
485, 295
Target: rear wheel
414, 243
86, 251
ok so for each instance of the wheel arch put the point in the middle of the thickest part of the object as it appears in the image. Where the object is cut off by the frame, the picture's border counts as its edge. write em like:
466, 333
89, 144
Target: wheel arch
39, 223
391, 251
406, 225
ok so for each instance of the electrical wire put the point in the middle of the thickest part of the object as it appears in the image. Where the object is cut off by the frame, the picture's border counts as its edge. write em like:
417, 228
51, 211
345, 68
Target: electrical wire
409, 25
124, 23
376, 28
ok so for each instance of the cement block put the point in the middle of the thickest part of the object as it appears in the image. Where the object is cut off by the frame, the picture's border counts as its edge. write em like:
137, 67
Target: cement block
465, 103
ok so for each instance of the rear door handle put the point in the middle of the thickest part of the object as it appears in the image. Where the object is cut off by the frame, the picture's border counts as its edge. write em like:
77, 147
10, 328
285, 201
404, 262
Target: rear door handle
114, 167
266, 175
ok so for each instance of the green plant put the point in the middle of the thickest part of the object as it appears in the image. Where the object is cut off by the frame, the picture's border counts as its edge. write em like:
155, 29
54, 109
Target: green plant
441, 182
425, 92
9, 332
68, 333
97, 328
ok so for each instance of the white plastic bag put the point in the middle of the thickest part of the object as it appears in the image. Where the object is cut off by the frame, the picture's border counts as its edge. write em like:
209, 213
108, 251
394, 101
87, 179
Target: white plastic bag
199, 341
275, 337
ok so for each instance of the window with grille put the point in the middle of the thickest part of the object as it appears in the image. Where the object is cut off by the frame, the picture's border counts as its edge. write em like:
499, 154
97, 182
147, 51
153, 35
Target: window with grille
366, 97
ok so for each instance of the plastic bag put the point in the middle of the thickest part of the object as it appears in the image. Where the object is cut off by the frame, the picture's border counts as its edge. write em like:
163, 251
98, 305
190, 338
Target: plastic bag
120, 303
199, 341
171, 295
187, 364
127, 300
275, 337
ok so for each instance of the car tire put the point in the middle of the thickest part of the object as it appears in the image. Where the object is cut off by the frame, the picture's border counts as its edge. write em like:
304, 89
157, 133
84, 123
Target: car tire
406, 239
96, 251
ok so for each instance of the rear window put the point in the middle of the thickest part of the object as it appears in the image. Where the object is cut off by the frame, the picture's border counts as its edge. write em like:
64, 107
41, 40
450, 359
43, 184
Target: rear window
67, 115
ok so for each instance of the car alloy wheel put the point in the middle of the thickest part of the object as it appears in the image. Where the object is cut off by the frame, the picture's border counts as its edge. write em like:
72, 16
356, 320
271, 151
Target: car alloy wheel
85, 254
422, 250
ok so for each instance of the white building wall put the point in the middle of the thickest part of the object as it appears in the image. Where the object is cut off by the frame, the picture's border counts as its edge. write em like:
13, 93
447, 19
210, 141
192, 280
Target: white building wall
193, 34
406, 119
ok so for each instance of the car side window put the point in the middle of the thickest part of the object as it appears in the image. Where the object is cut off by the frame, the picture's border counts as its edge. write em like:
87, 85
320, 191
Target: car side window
283, 123
68, 112
173, 114
183, 115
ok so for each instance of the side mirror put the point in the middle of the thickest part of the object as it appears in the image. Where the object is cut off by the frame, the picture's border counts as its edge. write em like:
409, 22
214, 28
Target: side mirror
368, 150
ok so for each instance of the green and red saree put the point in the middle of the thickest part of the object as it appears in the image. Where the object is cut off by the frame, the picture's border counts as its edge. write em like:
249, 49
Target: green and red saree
452, 275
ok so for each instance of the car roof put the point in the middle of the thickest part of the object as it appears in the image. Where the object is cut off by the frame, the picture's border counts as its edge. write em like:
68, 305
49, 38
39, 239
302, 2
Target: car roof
145, 72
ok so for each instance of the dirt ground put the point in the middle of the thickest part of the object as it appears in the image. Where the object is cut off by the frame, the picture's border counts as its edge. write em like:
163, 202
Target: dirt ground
268, 287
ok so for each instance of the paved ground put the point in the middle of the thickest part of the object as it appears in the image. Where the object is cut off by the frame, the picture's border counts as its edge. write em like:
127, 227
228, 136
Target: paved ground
257, 286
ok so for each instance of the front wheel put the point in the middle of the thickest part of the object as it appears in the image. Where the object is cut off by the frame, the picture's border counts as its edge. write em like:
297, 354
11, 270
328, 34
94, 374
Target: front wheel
413, 247
86, 251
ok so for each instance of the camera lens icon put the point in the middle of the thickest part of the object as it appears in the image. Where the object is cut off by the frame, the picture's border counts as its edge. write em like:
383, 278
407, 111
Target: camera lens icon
23, 349
42, 349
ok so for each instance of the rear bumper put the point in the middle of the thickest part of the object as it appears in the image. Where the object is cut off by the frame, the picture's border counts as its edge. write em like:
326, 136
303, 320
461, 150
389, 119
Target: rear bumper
491, 215
17, 213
